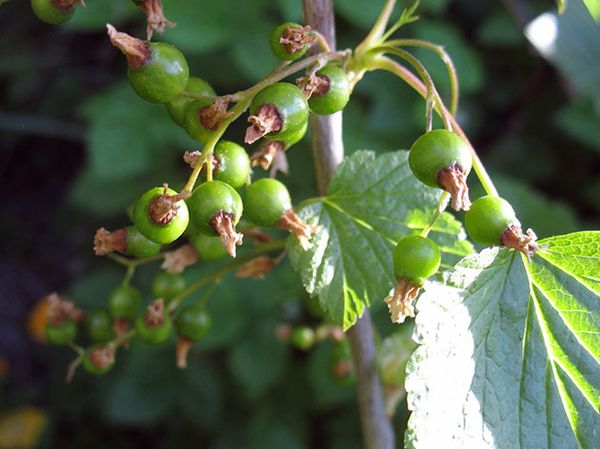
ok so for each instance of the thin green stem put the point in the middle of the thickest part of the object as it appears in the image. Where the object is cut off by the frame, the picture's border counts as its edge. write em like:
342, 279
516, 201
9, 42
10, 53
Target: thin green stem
444, 56
116, 342
220, 272
378, 29
75, 347
73, 367
128, 275
384, 63
441, 207
134, 262
245, 98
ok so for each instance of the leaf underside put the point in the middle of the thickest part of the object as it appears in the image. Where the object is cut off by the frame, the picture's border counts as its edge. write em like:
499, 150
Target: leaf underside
509, 351
372, 202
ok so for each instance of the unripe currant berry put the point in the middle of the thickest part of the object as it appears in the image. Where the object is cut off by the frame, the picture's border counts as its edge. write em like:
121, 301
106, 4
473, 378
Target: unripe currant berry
441, 158
192, 322
128, 240
209, 248
278, 111
161, 215
271, 152
154, 326
124, 301
62, 333
415, 259
231, 164
99, 359
158, 72
289, 41
195, 120
138, 245
179, 104
268, 204
98, 324
54, 12
492, 221
167, 285
329, 90
303, 337
215, 209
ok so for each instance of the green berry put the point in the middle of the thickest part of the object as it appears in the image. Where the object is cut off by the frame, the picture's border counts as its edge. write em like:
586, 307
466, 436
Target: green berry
209, 248
193, 122
99, 359
416, 258
163, 76
138, 245
266, 201
124, 302
167, 285
153, 334
303, 337
178, 105
98, 324
62, 333
288, 51
232, 164
335, 93
50, 12
160, 215
438, 150
192, 322
278, 112
211, 198
294, 138
488, 218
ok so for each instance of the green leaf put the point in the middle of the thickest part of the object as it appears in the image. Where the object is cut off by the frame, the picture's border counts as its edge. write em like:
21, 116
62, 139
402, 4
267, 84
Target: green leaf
372, 202
509, 354
593, 7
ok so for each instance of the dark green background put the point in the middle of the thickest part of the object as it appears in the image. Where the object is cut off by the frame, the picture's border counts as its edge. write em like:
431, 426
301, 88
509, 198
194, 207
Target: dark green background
77, 147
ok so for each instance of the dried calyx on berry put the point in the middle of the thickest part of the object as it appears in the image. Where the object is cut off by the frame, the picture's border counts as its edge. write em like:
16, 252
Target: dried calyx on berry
268, 203
215, 209
154, 325
415, 259
128, 241
327, 90
192, 323
155, 18
271, 153
278, 111
441, 158
289, 41
99, 359
177, 260
258, 267
60, 309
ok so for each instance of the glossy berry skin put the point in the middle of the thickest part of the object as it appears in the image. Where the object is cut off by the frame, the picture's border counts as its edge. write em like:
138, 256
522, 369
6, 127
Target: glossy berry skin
124, 302
435, 151
303, 337
192, 322
266, 200
48, 12
158, 233
212, 197
291, 106
167, 285
178, 105
63, 333
89, 366
294, 138
163, 77
279, 49
337, 95
192, 123
98, 325
488, 218
209, 248
233, 164
416, 258
153, 335
138, 245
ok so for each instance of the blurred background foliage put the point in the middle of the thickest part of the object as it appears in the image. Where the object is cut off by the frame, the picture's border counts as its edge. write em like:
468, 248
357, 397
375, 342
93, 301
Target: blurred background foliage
77, 147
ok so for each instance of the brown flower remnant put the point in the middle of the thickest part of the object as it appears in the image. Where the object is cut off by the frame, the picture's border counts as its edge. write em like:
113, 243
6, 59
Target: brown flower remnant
121, 326
400, 303
257, 235
60, 310
106, 242
295, 38
313, 85
178, 260
102, 356
265, 121
283, 332
155, 18
257, 268
302, 231
223, 225
137, 51
214, 114
271, 154
181, 352
164, 207
526, 243
454, 181
155, 313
